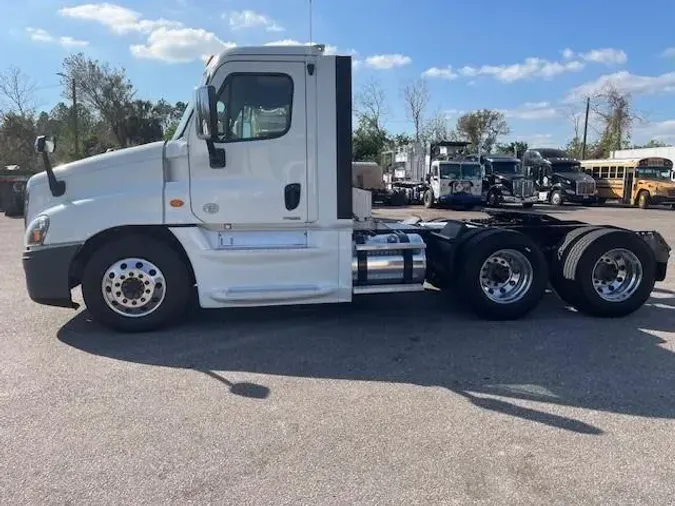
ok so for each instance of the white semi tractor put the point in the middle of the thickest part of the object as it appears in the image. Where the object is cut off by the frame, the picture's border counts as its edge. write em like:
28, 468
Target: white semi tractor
236, 212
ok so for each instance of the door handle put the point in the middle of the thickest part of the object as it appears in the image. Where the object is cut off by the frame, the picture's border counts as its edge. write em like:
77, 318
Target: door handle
292, 193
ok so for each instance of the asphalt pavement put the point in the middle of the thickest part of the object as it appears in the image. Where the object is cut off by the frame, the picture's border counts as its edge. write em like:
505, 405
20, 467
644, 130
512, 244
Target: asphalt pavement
389, 400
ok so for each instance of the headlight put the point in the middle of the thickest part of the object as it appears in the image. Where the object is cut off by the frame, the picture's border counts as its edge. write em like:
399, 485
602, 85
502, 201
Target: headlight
37, 230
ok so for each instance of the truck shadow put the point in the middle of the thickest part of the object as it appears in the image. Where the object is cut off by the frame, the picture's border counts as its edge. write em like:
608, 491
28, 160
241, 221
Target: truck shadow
555, 357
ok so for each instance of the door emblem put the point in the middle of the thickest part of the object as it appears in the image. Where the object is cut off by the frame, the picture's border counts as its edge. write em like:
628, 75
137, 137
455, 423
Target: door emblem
211, 208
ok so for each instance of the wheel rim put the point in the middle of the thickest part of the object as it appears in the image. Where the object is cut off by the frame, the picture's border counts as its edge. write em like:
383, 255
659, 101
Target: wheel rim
617, 275
506, 276
556, 199
133, 287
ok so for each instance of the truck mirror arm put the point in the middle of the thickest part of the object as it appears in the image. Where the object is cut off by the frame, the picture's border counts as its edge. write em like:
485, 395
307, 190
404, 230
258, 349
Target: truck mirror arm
56, 187
216, 155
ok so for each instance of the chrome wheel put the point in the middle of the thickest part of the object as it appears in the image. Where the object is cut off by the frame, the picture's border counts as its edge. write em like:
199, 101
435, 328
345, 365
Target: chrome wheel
617, 275
133, 287
506, 276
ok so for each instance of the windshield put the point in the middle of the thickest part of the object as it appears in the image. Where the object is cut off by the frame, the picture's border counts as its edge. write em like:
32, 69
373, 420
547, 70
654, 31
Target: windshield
449, 170
566, 167
471, 170
654, 173
505, 167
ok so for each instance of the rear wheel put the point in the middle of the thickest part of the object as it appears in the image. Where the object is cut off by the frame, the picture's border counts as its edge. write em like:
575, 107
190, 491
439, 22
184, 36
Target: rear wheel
136, 284
605, 272
502, 275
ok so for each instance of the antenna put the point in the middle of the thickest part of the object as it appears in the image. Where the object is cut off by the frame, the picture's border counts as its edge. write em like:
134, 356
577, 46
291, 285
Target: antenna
311, 39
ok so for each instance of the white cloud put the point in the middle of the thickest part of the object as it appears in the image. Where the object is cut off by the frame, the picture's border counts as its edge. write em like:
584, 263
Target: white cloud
441, 73
661, 130
625, 82
119, 19
387, 61
40, 35
668, 52
607, 55
533, 111
180, 45
250, 19
530, 68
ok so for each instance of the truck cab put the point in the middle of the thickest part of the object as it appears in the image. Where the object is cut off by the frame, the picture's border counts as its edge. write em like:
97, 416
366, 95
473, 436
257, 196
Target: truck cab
504, 182
559, 178
252, 203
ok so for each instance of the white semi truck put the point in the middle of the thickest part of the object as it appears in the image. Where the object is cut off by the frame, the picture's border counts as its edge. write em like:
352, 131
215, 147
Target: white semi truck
237, 211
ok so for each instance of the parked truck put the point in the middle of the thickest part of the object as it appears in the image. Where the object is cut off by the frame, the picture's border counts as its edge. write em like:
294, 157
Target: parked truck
559, 178
13, 179
505, 183
236, 216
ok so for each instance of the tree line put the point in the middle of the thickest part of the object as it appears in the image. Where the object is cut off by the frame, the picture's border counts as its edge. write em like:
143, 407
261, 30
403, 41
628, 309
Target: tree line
100, 110
610, 129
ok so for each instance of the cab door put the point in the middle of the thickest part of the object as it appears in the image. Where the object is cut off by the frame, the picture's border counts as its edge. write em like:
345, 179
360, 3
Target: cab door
262, 134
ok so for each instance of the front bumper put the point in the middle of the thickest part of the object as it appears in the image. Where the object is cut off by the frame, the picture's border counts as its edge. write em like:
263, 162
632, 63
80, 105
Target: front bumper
510, 199
47, 272
460, 198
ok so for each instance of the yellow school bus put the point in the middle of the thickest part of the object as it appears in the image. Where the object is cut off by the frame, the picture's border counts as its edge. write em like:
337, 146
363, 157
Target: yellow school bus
634, 181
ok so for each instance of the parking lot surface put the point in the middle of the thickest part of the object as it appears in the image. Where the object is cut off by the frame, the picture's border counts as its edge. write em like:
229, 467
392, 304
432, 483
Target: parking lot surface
389, 400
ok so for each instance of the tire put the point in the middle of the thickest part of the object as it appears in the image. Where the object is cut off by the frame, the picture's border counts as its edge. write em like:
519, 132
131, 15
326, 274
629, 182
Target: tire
578, 264
472, 263
557, 198
171, 278
492, 199
643, 199
563, 287
428, 199
528, 205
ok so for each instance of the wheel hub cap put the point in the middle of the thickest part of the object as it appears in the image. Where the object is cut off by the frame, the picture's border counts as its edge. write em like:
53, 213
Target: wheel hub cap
506, 276
133, 287
617, 275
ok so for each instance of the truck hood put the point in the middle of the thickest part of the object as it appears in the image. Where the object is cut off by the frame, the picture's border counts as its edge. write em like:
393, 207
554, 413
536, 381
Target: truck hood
574, 176
119, 175
123, 157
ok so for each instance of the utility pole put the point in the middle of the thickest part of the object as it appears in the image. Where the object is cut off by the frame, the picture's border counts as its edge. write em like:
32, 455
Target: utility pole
583, 146
76, 134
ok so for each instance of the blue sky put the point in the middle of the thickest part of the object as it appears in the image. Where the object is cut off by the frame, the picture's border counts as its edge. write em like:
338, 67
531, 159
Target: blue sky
534, 63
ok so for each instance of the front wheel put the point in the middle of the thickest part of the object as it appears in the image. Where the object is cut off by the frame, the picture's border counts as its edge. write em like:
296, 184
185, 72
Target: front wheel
557, 198
502, 275
136, 284
643, 199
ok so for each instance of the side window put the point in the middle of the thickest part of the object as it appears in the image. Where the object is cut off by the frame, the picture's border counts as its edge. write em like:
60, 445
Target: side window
619, 172
596, 172
612, 172
254, 106
434, 171
604, 172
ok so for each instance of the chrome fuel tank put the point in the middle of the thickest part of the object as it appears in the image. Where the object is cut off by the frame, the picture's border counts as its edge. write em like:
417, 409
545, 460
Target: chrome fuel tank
389, 259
